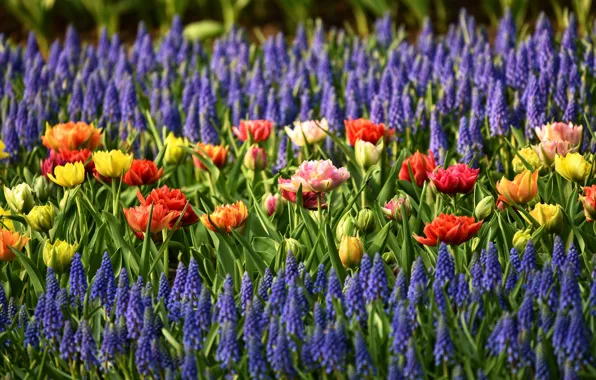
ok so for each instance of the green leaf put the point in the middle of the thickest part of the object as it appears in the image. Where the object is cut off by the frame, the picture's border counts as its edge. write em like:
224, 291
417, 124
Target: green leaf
32, 271
334, 255
202, 30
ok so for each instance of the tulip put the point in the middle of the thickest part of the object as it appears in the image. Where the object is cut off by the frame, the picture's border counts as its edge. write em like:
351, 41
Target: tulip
272, 204
41, 188
255, 158
68, 175
310, 199
365, 220
218, 154
8, 240
350, 251
573, 167
530, 156
520, 239
226, 218
485, 207
71, 136
5, 222
449, 229
308, 132
366, 130
316, 176
368, 154
142, 172
258, 130
294, 246
20, 198
58, 256
346, 226
420, 164
459, 178
138, 217
3, 153
548, 216
521, 190
174, 153
173, 200
569, 133
588, 200
547, 150
41, 218
392, 209
112, 164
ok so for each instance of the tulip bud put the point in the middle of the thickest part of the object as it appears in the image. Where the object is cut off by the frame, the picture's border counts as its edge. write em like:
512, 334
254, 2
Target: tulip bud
548, 216
392, 209
367, 154
64, 200
346, 226
365, 221
20, 198
255, 158
58, 255
273, 204
42, 188
530, 156
485, 207
520, 239
174, 153
41, 218
350, 251
294, 246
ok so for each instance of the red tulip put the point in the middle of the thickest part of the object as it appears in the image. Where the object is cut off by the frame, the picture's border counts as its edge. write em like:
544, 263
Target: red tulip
309, 199
142, 172
366, 130
173, 200
258, 130
65, 156
421, 164
458, 178
588, 200
138, 218
449, 229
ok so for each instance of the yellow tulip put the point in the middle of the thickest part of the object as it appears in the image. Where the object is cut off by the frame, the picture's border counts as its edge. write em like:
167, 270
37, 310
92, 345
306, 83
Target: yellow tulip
350, 251
3, 154
58, 255
548, 216
112, 164
573, 167
68, 175
5, 222
174, 153
41, 218
530, 156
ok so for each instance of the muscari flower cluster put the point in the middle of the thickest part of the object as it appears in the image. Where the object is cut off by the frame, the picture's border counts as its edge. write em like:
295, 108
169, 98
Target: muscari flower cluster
186, 88
523, 317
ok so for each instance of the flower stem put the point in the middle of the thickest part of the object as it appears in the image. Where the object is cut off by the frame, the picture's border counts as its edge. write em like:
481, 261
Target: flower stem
166, 253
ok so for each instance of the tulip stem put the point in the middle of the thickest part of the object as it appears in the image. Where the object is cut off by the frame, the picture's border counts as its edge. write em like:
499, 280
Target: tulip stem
114, 198
265, 183
166, 253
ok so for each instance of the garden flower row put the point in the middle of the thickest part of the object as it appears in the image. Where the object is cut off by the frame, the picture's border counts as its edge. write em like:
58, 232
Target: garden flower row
204, 211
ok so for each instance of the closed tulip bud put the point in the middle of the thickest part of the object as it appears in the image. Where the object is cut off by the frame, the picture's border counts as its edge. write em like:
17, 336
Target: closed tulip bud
530, 156
367, 154
174, 153
273, 204
392, 209
548, 216
520, 239
42, 188
58, 256
20, 198
346, 226
64, 200
255, 158
485, 207
365, 221
294, 246
350, 251
41, 218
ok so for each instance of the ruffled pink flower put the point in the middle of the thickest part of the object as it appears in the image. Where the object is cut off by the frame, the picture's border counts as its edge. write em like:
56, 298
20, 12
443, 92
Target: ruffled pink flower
310, 199
569, 133
392, 209
316, 176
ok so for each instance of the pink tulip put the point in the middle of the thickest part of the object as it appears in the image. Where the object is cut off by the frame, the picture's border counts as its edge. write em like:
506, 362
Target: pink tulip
316, 176
569, 133
392, 209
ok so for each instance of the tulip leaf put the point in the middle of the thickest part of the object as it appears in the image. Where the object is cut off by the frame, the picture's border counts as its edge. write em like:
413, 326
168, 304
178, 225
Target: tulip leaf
334, 255
380, 240
388, 189
255, 259
34, 275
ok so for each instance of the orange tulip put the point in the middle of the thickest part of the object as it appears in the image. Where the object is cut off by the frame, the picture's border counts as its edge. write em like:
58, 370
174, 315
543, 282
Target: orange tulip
138, 217
10, 239
72, 136
226, 217
522, 189
217, 153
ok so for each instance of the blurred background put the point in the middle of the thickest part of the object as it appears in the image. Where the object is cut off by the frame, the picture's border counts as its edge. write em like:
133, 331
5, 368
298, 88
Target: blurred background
208, 18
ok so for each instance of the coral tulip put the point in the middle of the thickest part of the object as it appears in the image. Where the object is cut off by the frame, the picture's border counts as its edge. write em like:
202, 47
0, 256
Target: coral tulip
421, 165
588, 200
138, 217
142, 172
226, 218
521, 190
449, 229
72, 136
459, 178
173, 200
258, 130
218, 154
366, 130
10, 239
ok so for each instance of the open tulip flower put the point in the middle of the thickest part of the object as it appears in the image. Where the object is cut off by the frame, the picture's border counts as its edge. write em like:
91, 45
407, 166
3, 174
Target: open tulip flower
138, 217
588, 201
217, 153
68, 175
112, 164
173, 200
310, 199
72, 136
365, 130
308, 132
258, 130
521, 190
316, 176
10, 239
420, 164
449, 229
459, 178
573, 167
142, 172
226, 218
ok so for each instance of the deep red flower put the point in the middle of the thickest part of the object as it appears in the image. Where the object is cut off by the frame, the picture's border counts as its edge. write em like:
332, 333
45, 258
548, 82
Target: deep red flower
366, 130
259, 130
173, 200
421, 164
459, 178
309, 199
142, 172
449, 229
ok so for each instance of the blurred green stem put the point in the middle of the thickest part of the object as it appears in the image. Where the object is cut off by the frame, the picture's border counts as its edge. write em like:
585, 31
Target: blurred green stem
360, 16
227, 9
